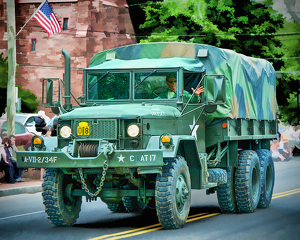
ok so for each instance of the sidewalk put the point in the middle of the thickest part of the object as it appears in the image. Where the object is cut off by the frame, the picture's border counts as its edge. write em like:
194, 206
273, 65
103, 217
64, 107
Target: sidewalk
29, 186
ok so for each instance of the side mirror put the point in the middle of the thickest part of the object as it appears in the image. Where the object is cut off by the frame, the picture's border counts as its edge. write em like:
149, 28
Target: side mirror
49, 92
219, 90
215, 92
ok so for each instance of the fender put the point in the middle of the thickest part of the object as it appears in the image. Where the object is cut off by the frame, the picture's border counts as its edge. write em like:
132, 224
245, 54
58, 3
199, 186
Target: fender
185, 146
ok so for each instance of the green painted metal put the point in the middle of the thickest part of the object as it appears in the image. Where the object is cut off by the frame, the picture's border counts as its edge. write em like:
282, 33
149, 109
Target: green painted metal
240, 129
118, 158
185, 63
68, 105
123, 111
116, 192
197, 129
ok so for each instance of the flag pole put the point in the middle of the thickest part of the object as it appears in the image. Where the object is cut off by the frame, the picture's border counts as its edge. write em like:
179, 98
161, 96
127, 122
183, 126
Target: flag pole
31, 16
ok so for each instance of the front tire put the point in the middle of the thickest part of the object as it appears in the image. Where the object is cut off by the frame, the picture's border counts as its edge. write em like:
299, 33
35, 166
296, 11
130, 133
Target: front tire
61, 208
247, 181
173, 193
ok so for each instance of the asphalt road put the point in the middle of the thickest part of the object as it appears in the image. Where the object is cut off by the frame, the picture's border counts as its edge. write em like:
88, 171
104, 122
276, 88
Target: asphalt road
22, 217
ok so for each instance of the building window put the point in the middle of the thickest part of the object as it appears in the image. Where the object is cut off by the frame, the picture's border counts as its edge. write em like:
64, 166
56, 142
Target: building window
66, 20
33, 44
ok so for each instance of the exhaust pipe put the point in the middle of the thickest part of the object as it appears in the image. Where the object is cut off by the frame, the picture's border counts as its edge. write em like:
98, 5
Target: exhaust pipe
68, 105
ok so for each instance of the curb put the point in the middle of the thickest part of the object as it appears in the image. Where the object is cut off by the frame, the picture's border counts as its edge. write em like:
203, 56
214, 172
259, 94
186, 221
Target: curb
20, 190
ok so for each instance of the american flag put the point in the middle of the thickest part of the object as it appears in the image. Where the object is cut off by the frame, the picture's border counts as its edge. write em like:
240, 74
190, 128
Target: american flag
46, 19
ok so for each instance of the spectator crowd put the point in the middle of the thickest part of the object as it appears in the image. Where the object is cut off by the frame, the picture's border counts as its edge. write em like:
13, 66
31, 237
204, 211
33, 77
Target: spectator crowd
287, 144
8, 150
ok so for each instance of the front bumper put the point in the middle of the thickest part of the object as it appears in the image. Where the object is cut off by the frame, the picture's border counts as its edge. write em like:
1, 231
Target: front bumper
117, 159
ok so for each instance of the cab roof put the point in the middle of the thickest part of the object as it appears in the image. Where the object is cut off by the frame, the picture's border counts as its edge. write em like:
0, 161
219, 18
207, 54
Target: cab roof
158, 63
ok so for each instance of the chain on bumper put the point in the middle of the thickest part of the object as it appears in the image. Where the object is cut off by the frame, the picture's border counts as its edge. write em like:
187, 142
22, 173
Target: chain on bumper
106, 152
99, 188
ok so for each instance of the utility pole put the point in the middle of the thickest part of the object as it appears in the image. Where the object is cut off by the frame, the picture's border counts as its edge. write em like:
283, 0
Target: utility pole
11, 44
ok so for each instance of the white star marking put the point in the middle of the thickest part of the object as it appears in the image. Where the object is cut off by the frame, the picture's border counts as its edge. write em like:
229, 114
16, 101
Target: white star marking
121, 158
194, 127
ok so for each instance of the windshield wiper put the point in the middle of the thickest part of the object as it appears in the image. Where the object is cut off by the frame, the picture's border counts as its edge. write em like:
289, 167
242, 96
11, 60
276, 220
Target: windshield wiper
105, 74
144, 79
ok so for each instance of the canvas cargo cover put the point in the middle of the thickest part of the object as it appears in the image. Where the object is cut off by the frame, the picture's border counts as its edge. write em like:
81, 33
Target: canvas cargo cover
250, 84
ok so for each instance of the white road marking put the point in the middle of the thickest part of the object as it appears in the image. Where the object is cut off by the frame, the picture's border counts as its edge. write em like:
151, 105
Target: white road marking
26, 214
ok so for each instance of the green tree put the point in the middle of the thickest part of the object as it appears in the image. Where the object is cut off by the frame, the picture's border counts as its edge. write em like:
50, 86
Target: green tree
186, 21
254, 26
245, 26
29, 102
289, 79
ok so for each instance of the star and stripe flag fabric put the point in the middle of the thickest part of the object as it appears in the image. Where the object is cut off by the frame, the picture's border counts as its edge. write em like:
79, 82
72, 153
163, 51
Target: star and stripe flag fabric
46, 19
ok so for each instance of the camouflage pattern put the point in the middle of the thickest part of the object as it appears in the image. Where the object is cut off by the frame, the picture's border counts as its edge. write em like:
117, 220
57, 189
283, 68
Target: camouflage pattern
250, 85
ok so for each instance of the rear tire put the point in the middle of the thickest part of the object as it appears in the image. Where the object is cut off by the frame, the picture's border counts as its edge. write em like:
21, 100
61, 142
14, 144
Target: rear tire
116, 207
134, 205
267, 177
247, 181
226, 193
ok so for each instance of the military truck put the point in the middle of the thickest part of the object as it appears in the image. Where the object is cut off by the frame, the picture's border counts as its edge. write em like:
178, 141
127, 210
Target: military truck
134, 147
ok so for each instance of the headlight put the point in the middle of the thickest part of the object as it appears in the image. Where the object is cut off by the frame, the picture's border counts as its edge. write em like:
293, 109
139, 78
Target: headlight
65, 131
133, 130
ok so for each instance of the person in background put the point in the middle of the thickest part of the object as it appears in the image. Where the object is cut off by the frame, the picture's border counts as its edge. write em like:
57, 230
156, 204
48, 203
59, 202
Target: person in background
275, 151
54, 128
290, 134
13, 145
3, 135
13, 173
297, 136
5, 164
296, 150
46, 132
13, 151
40, 121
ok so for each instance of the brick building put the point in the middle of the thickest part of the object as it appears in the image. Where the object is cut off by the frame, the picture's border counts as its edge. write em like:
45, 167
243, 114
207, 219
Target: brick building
89, 26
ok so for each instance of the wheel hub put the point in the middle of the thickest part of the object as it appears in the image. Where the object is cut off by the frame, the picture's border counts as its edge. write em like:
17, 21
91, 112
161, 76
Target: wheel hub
182, 193
68, 192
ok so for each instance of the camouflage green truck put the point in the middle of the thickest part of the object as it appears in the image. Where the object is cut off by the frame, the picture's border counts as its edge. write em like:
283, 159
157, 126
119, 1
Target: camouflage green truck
135, 147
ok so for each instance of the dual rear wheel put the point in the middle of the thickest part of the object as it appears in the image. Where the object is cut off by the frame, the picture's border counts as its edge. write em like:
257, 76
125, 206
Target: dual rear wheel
250, 184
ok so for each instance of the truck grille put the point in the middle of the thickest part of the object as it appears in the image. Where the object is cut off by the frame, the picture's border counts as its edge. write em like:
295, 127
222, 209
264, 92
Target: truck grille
98, 128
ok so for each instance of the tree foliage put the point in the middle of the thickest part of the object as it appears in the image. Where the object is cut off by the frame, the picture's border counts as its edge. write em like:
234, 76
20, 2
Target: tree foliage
245, 26
289, 80
253, 25
181, 21
29, 102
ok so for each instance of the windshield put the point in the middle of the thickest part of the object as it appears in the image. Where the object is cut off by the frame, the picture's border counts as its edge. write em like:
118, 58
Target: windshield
20, 118
150, 84
108, 86
155, 85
